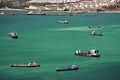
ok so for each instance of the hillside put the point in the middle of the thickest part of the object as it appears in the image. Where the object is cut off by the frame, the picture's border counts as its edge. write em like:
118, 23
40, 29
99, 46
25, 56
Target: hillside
19, 4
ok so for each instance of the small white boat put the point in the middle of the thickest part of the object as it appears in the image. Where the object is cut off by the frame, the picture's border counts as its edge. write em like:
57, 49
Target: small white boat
13, 35
64, 22
95, 34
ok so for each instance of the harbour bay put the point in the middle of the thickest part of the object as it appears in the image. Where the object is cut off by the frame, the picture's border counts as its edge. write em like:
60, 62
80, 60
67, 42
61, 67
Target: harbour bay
44, 40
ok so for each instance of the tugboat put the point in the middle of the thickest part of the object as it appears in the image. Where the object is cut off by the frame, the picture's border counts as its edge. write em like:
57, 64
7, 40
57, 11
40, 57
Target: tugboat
13, 35
73, 67
30, 64
95, 34
91, 53
63, 22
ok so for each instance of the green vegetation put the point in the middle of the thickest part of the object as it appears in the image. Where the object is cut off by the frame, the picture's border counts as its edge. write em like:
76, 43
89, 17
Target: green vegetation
19, 4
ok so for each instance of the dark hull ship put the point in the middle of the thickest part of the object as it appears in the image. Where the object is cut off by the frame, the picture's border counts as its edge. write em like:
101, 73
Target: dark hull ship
72, 68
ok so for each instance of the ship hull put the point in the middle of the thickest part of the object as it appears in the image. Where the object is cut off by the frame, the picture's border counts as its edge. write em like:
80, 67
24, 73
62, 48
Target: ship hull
66, 69
36, 14
97, 35
14, 37
88, 55
24, 65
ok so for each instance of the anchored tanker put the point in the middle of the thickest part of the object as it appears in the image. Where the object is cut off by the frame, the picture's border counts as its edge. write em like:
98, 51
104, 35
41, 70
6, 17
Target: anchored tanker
91, 53
73, 67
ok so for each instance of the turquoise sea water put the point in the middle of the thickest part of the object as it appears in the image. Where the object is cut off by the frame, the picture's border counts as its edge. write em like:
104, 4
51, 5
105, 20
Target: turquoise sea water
43, 40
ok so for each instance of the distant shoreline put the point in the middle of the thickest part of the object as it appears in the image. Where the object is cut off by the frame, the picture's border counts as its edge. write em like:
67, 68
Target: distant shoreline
12, 9
63, 11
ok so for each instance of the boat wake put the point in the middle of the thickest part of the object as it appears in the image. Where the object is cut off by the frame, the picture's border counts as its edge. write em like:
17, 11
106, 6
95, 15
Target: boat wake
72, 29
112, 26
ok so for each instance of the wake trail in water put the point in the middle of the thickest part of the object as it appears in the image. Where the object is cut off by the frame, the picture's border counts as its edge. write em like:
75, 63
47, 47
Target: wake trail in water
112, 26
72, 29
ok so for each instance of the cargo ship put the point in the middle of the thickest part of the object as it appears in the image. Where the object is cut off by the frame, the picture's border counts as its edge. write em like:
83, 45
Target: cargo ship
30, 64
73, 67
91, 53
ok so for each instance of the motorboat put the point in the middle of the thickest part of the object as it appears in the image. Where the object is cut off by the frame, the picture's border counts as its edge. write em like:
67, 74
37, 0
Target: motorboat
63, 22
91, 53
13, 35
95, 34
37, 13
30, 64
73, 67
